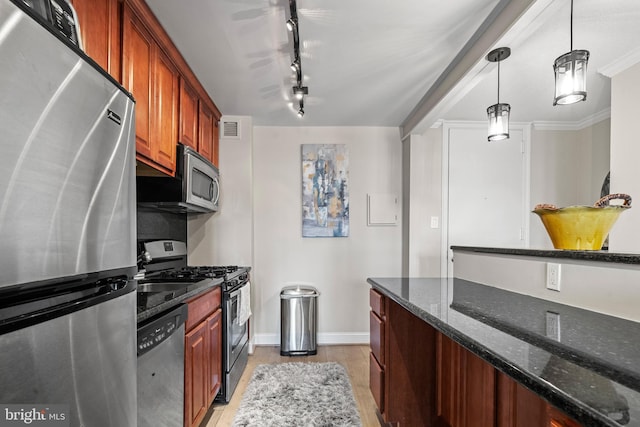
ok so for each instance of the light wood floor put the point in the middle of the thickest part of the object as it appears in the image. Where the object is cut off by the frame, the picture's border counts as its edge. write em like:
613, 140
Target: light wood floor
355, 359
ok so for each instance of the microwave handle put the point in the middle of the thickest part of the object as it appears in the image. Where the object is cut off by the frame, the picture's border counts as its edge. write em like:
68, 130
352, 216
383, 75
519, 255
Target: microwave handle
215, 184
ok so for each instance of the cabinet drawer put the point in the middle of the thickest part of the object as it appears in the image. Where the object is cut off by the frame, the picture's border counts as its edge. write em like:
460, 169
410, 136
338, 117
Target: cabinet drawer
376, 382
376, 329
376, 302
202, 306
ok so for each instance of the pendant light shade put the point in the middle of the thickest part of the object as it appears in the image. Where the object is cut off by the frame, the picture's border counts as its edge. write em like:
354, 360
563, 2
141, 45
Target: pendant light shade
498, 114
570, 72
571, 77
498, 121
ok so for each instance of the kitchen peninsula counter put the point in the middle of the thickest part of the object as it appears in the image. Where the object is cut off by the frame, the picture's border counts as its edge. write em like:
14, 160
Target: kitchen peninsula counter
584, 363
558, 254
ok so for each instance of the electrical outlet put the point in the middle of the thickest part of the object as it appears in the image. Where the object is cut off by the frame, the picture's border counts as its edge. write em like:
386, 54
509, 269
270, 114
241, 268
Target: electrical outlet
553, 325
553, 276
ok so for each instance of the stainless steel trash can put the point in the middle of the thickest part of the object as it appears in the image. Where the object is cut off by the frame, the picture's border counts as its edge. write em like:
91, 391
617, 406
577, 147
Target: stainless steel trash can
298, 318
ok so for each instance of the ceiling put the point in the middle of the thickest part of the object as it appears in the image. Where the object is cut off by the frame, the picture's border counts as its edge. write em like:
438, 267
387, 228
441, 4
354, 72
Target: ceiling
370, 62
609, 30
366, 62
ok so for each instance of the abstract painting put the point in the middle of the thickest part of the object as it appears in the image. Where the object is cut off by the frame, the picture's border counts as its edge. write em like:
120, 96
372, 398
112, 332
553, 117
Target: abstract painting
325, 190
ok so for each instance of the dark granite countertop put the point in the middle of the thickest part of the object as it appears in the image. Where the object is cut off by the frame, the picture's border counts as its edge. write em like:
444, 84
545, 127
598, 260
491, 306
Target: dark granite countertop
585, 363
191, 291
598, 256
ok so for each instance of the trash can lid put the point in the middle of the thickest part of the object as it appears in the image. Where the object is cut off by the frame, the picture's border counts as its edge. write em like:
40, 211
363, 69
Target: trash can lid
299, 291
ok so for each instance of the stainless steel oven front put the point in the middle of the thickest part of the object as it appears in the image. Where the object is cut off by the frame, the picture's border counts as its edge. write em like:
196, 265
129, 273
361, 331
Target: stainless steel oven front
236, 349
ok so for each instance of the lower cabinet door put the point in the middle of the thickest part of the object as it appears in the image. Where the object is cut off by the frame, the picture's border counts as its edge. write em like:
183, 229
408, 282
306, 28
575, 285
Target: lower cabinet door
376, 382
196, 402
376, 329
465, 387
558, 418
518, 407
214, 338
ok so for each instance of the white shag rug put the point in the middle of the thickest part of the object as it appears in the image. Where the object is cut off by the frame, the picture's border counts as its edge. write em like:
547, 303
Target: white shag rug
296, 395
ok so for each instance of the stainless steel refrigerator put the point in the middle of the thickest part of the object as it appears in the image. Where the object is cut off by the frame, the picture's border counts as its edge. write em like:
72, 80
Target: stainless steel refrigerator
67, 231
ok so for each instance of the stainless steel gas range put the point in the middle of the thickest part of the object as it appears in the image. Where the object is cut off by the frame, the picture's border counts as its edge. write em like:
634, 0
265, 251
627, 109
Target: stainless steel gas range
169, 281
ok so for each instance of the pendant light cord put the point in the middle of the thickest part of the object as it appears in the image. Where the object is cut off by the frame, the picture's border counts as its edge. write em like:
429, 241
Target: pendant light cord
571, 28
499, 80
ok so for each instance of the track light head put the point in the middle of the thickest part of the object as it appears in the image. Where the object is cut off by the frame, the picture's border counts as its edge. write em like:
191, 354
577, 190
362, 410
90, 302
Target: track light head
291, 24
301, 112
295, 65
300, 91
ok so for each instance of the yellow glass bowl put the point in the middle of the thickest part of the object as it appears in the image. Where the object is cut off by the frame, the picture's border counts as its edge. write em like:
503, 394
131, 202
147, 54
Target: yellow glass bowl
579, 227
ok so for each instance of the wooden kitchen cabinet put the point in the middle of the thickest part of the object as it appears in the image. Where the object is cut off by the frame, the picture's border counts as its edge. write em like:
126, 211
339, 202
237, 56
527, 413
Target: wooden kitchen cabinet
203, 355
557, 418
127, 40
403, 383
207, 127
214, 336
216, 141
198, 122
188, 115
518, 406
419, 376
150, 75
466, 387
195, 378
100, 28
376, 357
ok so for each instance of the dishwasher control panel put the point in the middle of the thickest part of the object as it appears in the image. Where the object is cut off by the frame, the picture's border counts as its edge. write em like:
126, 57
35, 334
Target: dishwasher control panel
158, 329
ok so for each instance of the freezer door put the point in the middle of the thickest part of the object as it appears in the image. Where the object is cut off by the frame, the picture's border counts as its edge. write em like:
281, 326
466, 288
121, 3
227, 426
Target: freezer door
84, 361
67, 193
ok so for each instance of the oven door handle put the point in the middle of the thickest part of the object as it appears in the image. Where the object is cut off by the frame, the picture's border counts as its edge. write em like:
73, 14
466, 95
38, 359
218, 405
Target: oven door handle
236, 291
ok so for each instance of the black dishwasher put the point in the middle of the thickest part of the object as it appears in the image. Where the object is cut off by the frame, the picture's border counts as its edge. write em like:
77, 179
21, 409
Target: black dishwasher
161, 369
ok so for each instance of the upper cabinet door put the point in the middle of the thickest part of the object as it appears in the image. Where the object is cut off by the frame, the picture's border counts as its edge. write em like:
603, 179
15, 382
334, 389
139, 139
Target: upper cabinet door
150, 75
137, 75
207, 119
100, 31
166, 111
216, 141
188, 134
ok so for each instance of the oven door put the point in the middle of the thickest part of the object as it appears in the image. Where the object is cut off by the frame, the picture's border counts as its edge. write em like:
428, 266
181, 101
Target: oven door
237, 335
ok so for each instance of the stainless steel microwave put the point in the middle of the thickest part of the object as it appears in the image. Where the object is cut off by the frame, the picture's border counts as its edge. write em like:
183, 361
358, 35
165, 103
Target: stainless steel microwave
195, 188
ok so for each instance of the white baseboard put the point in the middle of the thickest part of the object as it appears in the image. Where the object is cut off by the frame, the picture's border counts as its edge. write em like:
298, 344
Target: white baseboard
323, 338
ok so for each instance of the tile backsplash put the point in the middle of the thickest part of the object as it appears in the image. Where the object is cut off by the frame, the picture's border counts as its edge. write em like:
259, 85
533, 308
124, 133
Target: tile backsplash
158, 225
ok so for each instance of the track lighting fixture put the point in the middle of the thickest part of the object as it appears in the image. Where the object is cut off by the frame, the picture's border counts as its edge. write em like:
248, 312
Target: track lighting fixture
291, 24
300, 91
295, 65
498, 113
570, 72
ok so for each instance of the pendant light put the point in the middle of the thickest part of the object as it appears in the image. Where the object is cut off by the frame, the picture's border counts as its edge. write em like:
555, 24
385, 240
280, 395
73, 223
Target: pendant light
498, 113
570, 72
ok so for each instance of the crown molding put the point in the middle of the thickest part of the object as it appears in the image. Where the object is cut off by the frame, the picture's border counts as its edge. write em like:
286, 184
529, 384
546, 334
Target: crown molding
577, 125
621, 64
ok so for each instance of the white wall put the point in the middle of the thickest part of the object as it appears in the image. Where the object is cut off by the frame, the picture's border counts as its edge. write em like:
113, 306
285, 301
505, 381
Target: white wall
338, 267
598, 286
424, 170
625, 152
567, 168
226, 237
